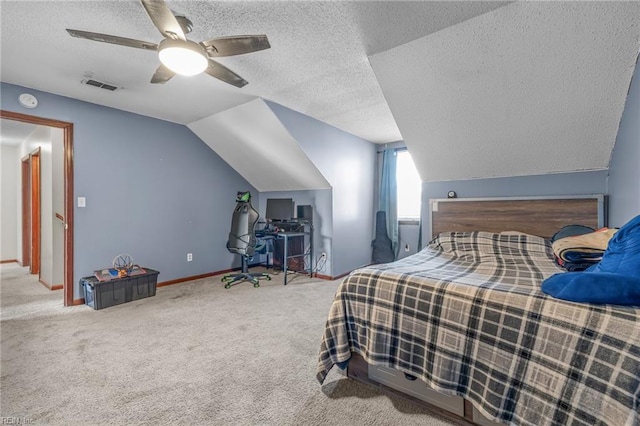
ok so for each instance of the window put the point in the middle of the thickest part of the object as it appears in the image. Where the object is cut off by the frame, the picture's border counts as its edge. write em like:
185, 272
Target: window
409, 188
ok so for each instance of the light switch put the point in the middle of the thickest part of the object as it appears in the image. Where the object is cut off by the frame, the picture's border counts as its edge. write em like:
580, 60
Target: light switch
82, 202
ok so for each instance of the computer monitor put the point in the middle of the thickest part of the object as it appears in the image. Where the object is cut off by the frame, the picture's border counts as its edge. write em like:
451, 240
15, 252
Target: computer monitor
305, 212
279, 209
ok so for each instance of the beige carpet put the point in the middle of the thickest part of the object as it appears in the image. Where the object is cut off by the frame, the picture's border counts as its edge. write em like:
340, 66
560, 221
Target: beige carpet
195, 353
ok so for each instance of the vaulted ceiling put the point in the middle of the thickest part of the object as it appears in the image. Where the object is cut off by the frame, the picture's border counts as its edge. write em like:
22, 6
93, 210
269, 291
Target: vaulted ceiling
529, 88
476, 89
317, 63
264, 153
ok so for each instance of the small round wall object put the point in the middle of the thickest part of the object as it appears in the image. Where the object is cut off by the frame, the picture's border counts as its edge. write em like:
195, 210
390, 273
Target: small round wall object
27, 100
452, 194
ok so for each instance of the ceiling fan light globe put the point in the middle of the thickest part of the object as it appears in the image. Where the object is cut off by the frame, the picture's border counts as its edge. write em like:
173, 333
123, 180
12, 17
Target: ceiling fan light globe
183, 57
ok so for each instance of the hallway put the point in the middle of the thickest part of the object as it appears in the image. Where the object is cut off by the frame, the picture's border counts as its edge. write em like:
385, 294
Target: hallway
22, 296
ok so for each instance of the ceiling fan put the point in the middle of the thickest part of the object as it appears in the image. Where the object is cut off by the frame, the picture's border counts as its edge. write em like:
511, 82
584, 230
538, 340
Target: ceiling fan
178, 55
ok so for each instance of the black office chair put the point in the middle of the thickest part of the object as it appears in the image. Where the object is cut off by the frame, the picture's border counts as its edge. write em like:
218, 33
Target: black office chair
242, 241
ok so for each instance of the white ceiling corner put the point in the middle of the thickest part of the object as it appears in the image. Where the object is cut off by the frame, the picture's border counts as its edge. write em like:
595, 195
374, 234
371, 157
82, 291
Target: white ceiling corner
252, 140
526, 89
13, 132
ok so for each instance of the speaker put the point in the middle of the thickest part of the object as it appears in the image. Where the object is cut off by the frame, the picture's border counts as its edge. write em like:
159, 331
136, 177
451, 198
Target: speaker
305, 212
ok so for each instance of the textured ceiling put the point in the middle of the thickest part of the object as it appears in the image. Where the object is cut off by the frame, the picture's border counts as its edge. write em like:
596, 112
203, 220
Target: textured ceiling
529, 88
318, 63
264, 153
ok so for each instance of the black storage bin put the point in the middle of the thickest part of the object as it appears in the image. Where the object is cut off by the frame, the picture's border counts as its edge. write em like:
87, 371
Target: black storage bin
141, 286
101, 295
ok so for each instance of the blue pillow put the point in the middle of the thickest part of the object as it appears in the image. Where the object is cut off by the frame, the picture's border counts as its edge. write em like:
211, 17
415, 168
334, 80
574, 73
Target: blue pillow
591, 287
622, 255
615, 279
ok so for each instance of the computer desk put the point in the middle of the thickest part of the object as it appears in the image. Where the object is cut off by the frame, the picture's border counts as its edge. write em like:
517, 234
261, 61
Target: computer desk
285, 235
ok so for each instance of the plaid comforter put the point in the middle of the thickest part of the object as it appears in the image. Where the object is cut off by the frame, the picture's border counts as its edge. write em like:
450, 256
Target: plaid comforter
466, 315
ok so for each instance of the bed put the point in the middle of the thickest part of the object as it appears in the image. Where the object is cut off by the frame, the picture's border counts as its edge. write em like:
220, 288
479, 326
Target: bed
464, 325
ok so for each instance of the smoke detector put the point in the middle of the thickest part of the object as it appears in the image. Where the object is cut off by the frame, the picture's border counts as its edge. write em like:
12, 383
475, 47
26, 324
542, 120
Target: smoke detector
27, 100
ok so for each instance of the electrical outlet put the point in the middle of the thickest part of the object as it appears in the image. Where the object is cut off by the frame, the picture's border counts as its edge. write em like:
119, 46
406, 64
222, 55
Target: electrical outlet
189, 257
406, 247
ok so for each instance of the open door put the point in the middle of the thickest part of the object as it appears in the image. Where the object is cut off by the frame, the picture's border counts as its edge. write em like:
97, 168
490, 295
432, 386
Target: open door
68, 200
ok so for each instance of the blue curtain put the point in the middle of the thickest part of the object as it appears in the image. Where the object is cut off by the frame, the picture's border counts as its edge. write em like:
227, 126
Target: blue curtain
389, 195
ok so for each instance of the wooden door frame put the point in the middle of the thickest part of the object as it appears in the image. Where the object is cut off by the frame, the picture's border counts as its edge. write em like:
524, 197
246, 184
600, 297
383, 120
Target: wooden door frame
25, 168
31, 190
67, 129
36, 213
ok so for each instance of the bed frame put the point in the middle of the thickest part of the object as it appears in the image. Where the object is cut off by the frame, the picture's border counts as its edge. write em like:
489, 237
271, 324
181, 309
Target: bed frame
359, 370
542, 216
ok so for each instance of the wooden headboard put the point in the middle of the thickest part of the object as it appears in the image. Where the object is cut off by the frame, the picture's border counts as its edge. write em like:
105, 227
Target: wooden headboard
542, 216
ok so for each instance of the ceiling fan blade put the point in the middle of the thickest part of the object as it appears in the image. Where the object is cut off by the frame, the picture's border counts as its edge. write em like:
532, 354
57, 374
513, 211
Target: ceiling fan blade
163, 19
235, 45
106, 38
219, 71
162, 75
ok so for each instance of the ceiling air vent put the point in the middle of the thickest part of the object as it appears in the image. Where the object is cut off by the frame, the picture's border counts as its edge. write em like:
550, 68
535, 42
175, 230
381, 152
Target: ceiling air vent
100, 84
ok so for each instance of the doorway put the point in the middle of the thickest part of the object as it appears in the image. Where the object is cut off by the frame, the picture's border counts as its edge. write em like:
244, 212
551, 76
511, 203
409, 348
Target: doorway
31, 212
67, 219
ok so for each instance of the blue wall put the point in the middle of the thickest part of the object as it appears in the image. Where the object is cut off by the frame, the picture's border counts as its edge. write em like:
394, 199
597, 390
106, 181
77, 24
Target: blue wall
579, 183
624, 170
348, 163
154, 190
321, 202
